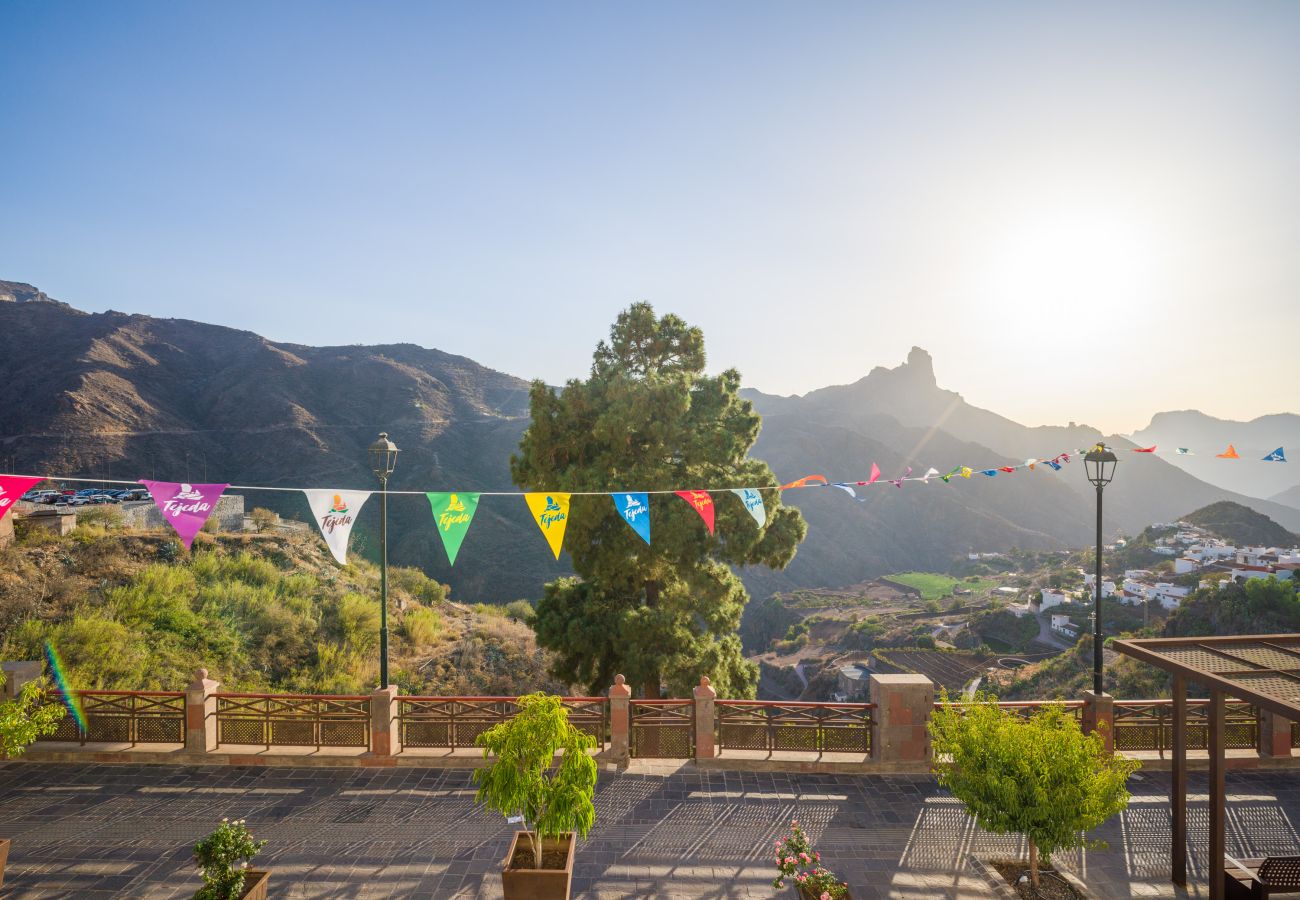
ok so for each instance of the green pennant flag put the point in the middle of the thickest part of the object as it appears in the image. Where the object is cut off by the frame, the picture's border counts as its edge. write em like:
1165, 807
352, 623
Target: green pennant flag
452, 513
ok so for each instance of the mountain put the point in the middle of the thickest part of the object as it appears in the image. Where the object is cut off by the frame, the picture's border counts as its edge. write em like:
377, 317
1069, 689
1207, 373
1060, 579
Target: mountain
119, 396
1289, 497
1207, 436
112, 395
1241, 526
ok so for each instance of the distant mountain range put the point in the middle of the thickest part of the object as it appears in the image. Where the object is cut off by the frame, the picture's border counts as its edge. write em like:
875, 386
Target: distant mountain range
112, 395
1207, 436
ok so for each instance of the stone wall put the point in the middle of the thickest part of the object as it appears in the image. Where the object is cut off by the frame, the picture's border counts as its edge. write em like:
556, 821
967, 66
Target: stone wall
144, 515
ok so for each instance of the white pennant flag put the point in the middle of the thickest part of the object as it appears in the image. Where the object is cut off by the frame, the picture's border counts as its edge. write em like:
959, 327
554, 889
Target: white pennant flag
929, 473
335, 512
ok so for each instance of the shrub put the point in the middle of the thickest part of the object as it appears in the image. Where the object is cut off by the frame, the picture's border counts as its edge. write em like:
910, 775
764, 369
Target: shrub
26, 718
358, 621
519, 610
417, 585
796, 859
263, 519
107, 518
422, 626
520, 780
223, 858
1041, 777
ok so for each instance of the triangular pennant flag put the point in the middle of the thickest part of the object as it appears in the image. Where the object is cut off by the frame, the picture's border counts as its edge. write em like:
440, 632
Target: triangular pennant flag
898, 482
842, 485
806, 481
1151, 449
989, 472
965, 471
1006, 468
12, 488
1183, 451
875, 474
1031, 463
1056, 466
929, 473
702, 503
1230, 453
956, 471
1276, 456
753, 501
635, 510
452, 514
552, 514
335, 512
185, 506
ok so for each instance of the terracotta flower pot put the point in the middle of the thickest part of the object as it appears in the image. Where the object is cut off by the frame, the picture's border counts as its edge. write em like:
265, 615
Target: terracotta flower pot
4, 858
255, 882
809, 894
538, 884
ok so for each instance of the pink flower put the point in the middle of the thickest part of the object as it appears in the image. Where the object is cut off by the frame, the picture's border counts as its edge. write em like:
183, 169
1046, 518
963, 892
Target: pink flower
801, 878
794, 823
805, 857
826, 895
818, 856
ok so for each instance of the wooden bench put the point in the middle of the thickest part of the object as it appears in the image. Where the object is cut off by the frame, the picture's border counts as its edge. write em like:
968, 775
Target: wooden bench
1262, 877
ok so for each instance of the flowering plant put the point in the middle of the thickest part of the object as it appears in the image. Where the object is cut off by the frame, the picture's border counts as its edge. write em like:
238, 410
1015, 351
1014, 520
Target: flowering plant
796, 859
223, 860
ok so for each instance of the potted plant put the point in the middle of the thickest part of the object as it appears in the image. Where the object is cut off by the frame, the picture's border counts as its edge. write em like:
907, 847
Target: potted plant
23, 719
525, 783
798, 861
1041, 777
223, 861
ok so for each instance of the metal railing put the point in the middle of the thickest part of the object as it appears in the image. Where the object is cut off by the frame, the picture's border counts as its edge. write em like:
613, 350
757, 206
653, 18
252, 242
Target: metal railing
662, 729
454, 723
774, 726
1148, 725
126, 717
293, 720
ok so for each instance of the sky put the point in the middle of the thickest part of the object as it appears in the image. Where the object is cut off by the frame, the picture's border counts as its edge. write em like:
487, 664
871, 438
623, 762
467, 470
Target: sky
1084, 211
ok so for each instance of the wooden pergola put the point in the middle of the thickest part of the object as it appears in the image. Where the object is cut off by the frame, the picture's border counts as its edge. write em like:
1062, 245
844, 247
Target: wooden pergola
1261, 669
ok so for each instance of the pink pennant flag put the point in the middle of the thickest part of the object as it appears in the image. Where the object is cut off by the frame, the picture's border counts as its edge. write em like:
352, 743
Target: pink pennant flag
875, 474
185, 506
12, 487
898, 482
702, 503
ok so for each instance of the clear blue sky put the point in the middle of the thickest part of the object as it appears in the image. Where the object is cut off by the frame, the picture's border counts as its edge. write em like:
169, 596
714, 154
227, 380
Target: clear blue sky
1084, 211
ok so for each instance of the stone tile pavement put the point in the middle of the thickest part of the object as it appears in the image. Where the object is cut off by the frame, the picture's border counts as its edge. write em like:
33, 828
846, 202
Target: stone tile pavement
92, 831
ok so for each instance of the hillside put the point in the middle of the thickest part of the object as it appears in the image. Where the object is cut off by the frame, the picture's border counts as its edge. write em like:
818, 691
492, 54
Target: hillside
137, 611
113, 395
1241, 525
1289, 497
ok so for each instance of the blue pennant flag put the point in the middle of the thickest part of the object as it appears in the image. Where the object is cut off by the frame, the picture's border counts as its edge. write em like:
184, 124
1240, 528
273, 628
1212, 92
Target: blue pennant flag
845, 488
1056, 466
1276, 456
635, 510
989, 472
753, 501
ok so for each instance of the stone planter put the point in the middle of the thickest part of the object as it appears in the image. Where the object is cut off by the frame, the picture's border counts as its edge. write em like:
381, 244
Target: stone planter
255, 883
807, 893
4, 858
538, 884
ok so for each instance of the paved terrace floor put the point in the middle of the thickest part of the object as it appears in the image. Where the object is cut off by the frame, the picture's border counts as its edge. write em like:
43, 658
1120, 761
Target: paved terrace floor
95, 830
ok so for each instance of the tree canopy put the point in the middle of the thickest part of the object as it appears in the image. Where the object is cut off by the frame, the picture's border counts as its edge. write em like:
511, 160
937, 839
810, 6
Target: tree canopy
649, 418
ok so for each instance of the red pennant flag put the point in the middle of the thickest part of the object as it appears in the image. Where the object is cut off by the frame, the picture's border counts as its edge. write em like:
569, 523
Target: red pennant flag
12, 487
1007, 469
806, 481
1151, 449
702, 503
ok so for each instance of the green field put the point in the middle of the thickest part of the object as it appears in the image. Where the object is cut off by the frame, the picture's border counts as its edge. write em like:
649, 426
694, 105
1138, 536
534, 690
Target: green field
934, 586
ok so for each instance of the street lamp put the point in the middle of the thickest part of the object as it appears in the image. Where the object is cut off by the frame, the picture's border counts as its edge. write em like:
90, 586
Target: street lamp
383, 459
1100, 464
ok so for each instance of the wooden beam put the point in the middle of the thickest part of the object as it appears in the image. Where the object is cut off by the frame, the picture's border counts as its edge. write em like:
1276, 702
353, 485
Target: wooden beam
1178, 786
1218, 798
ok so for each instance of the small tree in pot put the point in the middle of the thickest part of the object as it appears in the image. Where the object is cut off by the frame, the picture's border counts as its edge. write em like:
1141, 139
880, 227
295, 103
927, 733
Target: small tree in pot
223, 858
525, 783
22, 720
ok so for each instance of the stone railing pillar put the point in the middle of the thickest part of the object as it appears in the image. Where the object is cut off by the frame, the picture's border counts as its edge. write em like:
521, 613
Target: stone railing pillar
1099, 714
901, 718
201, 713
385, 726
705, 695
1274, 734
619, 721
17, 674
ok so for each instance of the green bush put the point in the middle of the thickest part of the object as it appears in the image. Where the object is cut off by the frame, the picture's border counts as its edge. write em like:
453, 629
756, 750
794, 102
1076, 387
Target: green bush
223, 858
357, 620
422, 626
519, 610
1041, 777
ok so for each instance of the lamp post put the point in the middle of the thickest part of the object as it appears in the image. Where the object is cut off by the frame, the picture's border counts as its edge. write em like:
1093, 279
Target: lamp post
383, 459
1100, 464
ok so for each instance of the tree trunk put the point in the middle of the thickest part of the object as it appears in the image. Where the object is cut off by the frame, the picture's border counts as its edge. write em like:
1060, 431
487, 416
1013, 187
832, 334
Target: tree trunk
651, 687
535, 839
1033, 863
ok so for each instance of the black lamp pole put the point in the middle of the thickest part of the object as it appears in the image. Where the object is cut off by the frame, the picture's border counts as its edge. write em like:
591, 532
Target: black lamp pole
1099, 462
383, 459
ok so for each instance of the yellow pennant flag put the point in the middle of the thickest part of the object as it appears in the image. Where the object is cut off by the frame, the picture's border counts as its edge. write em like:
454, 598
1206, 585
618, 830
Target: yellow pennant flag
552, 514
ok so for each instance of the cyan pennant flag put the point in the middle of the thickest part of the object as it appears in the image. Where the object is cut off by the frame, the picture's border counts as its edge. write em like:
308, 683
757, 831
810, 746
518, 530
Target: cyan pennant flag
1276, 456
753, 501
635, 510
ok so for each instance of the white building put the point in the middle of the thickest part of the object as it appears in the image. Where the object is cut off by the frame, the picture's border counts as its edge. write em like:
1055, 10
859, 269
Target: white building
1170, 596
1164, 551
1185, 565
1137, 574
1107, 587
1049, 598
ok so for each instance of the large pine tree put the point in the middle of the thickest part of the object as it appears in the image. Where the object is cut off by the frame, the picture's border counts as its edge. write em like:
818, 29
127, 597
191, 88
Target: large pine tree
648, 418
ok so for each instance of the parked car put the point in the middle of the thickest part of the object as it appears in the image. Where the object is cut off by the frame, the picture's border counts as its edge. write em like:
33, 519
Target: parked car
55, 498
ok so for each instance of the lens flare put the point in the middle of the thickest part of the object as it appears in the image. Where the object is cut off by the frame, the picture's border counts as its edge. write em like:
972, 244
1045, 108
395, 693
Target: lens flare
69, 696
